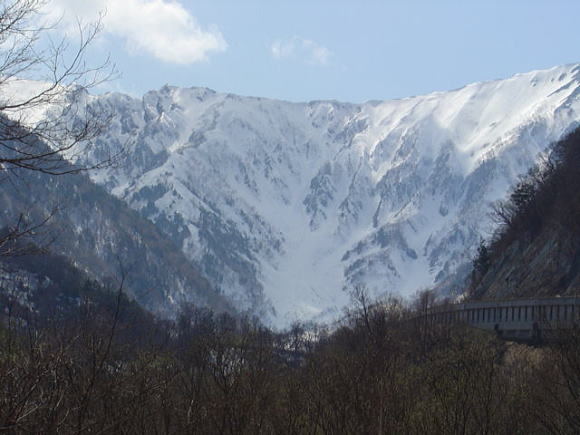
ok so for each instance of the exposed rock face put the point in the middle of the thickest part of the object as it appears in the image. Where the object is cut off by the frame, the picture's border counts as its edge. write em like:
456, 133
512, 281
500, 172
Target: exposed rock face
537, 252
285, 205
547, 266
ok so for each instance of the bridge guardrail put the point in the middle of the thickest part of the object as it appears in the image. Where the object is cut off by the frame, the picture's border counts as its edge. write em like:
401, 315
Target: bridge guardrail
513, 318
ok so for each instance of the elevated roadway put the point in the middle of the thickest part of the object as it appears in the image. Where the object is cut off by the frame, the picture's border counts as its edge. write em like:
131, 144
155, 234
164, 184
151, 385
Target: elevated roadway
522, 319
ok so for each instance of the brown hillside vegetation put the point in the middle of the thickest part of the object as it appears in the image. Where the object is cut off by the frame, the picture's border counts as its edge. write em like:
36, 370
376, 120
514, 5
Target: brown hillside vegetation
98, 371
536, 250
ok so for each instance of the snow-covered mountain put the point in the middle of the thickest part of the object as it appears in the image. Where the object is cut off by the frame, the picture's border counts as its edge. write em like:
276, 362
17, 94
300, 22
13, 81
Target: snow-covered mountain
287, 205
98, 237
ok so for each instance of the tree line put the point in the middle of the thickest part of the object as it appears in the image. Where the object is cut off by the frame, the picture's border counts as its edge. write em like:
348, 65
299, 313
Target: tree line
103, 368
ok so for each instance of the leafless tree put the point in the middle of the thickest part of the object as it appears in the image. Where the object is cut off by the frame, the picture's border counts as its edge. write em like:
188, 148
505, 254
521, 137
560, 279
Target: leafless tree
61, 76
45, 123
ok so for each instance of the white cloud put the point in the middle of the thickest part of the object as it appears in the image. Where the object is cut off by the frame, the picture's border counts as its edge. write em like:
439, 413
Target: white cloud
161, 28
297, 48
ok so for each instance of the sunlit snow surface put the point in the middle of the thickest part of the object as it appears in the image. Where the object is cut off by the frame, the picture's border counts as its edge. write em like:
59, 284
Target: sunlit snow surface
286, 206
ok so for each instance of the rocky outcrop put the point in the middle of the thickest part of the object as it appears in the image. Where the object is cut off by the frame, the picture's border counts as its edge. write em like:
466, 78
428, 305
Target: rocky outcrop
536, 251
548, 265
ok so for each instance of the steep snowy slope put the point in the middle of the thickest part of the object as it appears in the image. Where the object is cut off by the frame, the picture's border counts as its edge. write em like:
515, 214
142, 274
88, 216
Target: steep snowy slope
286, 205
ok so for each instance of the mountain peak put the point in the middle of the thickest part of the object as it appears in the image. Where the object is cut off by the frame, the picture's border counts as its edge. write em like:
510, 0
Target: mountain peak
287, 206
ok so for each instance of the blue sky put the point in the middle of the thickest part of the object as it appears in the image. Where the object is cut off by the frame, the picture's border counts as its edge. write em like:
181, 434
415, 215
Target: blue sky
321, 49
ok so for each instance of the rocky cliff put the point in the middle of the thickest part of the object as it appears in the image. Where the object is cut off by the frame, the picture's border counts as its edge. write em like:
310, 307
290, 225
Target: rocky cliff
536, 250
